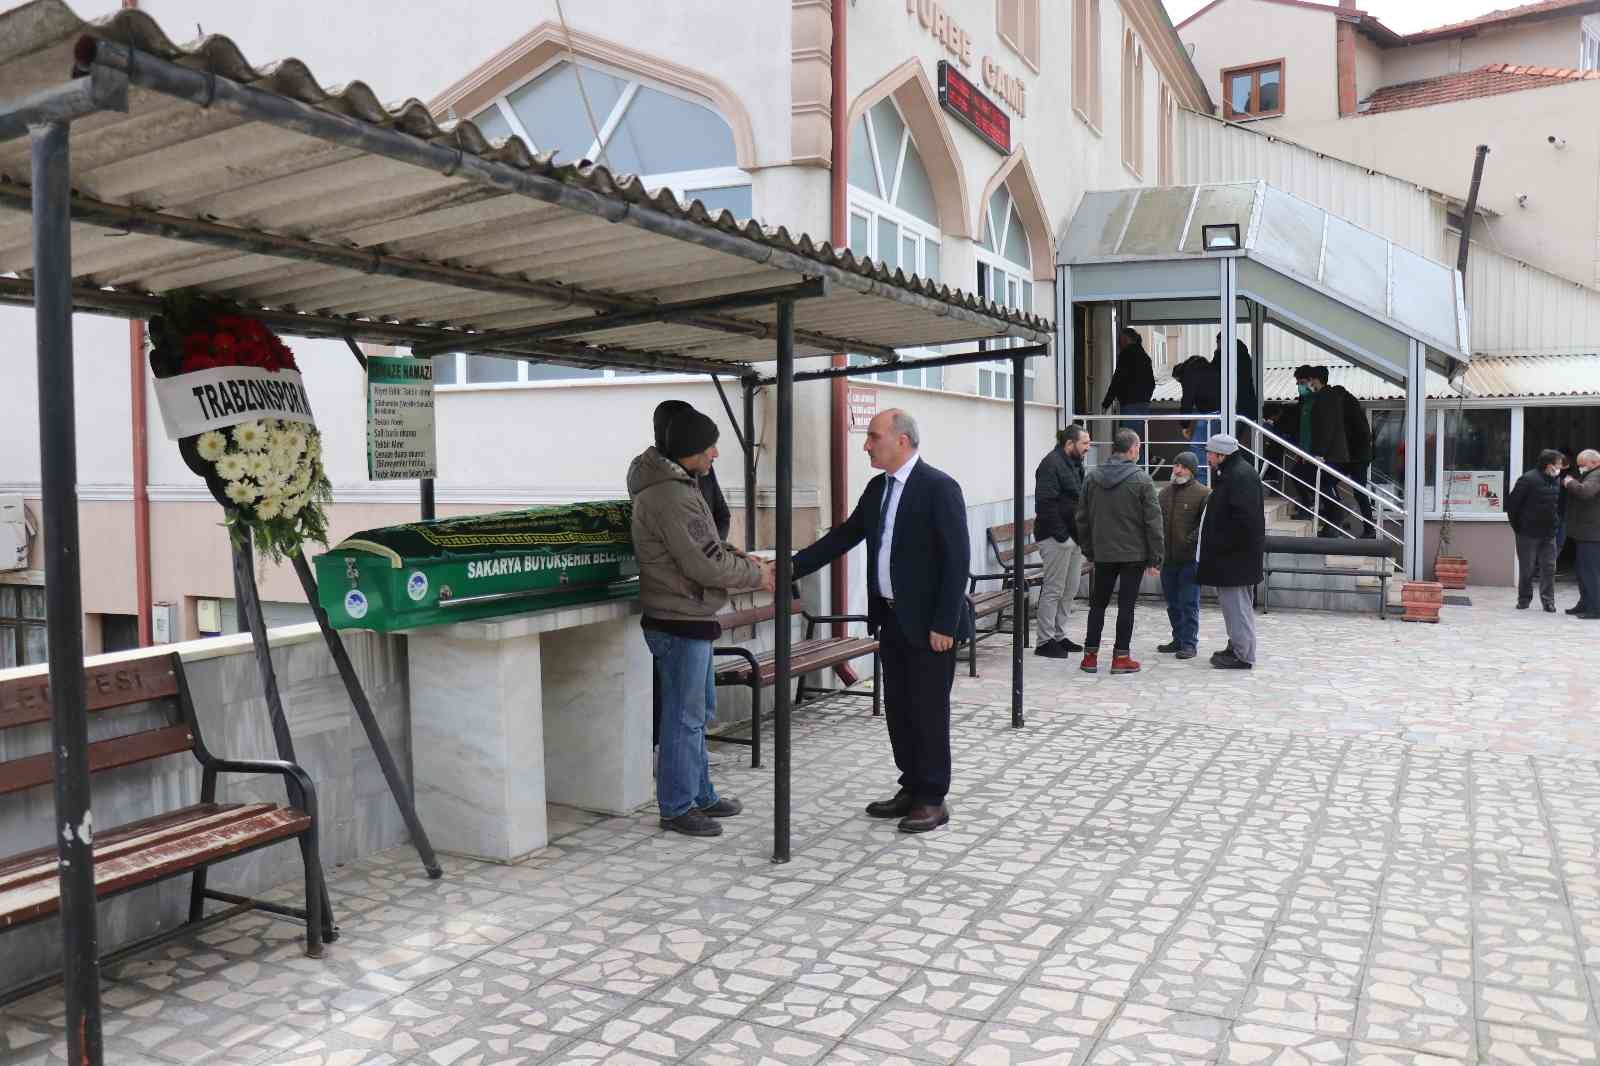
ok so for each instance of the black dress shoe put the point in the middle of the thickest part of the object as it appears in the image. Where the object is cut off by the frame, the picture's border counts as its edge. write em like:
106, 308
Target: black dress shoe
1054, 650
1549, 608
1522, 606
1044, 648
692, 823
1580, 609
1229, 661
923, 818
725, 807
898, 807
1169, 648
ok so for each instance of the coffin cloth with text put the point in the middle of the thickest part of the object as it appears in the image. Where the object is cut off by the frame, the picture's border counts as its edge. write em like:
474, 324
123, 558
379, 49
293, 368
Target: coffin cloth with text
457, 569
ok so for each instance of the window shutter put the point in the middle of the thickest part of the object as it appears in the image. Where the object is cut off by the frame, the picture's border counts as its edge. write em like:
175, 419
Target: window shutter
1030, 32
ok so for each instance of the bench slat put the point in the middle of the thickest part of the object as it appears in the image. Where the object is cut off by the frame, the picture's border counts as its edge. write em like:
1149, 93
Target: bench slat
754, 615
35, 770
805, 657
26, 701
40, 899
41, 863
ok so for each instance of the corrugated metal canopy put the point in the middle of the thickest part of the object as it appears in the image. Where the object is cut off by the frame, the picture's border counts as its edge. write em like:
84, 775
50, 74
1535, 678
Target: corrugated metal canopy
1310, 267
505, 239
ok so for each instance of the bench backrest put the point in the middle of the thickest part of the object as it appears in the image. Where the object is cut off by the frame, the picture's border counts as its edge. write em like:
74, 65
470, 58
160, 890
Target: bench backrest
157, 682
1007, 535
751, 616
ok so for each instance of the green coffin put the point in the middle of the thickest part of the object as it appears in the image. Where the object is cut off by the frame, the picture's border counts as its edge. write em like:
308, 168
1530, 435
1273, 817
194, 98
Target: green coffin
457, 569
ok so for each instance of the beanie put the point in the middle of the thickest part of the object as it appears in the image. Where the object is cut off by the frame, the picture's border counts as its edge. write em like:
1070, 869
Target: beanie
1222, 443
665, 410
690, 433
1187, 459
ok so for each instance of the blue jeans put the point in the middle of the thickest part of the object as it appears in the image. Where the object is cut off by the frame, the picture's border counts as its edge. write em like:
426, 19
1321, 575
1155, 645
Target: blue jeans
1183, 603
1198, 435
688, 703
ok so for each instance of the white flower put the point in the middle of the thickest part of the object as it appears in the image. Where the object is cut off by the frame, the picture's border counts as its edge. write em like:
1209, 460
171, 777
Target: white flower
250, 436
293, 505
211, 446
314, 445
283, 460
240, 492
258, 466
231, 467
269, 508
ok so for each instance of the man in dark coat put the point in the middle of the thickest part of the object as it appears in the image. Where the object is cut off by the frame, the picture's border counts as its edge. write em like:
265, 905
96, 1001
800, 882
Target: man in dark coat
1583, 526
914, 521
1183, 501
1245, 402
1057, 484
1120, 523
1328, 440
1358, 440
1134, 381
1233, 534
1201, 381
1531, 509
665, 412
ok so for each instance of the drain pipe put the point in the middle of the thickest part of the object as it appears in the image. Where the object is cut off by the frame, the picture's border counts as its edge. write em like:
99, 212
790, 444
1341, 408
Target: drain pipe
1468, 212
141, 472
838, 416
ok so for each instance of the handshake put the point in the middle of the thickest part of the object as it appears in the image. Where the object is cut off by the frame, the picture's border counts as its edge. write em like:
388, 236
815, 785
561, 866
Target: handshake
769, 574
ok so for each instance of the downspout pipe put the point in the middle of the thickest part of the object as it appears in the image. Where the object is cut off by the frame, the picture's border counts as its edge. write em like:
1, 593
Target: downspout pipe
140, 446
838, 415
1469, 212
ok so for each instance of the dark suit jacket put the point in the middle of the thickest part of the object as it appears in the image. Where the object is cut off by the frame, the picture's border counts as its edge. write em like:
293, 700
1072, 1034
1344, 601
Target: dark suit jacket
928, 562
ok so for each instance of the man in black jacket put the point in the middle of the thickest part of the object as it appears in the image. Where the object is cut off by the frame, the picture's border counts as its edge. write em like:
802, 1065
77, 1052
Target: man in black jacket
1057, 484
1583, 526
1358, 441
1329, 441
1233, 534
1134, 381
1531, 510
1244, 374
665, 412
914, 521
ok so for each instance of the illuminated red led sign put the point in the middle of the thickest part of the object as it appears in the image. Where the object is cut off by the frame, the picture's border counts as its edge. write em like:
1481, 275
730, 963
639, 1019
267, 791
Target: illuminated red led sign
976, 111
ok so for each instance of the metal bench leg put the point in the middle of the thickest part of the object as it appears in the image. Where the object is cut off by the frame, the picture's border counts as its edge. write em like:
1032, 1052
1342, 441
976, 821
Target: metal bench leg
755, 723
197, 895
311, 857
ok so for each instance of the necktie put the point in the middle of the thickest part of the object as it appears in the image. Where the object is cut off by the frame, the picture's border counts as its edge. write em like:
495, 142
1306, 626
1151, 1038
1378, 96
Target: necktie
883, 513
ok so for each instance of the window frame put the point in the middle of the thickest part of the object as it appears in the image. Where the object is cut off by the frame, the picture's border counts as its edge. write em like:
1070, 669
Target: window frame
1133, 103
1016, 274
13, 626
1166, 137
1024, 44
1256, 70
1086, 66
1589, 48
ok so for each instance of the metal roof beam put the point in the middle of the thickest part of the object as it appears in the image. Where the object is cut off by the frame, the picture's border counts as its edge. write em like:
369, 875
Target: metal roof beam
19, 292
673, 312
1031, 351
250, 242
102, 89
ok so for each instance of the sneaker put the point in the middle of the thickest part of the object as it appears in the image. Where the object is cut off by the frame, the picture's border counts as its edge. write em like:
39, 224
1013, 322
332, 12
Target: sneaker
1229, 661
693, 824
1091, 662
1070, 645
725, 807
1171, 647
1053, 650
1186, 653
1044, 647
1123, 663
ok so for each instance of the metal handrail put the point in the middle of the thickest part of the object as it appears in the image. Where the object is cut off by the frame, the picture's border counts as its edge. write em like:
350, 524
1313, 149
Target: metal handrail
1144, 437
1382, 501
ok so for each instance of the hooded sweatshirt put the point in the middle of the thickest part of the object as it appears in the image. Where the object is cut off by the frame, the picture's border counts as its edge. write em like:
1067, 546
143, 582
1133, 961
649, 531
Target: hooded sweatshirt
685, 570
1119, 518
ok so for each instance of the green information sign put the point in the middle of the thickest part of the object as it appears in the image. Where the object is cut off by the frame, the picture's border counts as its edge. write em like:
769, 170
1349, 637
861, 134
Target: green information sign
399, 418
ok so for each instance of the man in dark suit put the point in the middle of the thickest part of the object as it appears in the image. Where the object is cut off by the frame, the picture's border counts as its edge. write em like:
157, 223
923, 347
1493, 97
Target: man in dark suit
914, 521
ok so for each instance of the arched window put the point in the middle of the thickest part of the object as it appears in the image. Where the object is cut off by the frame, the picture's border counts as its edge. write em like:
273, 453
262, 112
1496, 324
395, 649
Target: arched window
1005, 275
1086, 60
1166, 140
894, 219
1132, 104
582, 111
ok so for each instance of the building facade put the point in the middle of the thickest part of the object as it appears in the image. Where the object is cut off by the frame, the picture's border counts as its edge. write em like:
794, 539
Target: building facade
734, 107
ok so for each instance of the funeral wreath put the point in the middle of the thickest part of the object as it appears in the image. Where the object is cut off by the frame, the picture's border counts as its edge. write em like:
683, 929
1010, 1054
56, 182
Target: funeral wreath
231, 396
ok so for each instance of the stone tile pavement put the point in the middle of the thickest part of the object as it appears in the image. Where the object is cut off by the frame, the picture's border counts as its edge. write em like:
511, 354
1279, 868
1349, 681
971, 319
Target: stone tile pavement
1380, 848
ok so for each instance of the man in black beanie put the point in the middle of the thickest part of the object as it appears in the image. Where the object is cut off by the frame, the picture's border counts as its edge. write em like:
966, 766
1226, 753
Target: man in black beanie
685, 573
665, 412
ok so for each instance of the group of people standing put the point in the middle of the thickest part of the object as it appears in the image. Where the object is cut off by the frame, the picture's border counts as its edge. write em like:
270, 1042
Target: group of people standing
1112, 517
1549, 504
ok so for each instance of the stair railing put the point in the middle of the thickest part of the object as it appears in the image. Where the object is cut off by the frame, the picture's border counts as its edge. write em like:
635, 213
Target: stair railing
1382, 502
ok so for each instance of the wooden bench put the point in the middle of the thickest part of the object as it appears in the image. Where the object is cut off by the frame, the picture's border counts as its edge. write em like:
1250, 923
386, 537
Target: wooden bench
186, 840
807, 656
999, 602
1325, 546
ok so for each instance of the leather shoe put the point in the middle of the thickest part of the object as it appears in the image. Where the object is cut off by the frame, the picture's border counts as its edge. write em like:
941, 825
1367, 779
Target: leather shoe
920, 819
693, 824
898, 807
1580, 609
725, 807
1052, 650
1170, 647
1229, 661
1069, 644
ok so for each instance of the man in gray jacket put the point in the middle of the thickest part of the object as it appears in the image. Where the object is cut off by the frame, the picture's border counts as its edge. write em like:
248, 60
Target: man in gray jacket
685, 574
1119, 526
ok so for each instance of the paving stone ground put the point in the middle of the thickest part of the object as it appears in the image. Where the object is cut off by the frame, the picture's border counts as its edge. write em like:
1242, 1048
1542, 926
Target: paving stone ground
1381, 847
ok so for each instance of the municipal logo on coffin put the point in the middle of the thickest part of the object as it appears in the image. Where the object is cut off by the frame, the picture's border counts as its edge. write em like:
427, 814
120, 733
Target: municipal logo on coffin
355, 603
417, 586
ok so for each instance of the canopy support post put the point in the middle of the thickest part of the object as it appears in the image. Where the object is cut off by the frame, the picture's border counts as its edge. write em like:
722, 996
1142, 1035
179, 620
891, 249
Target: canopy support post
1019, 586
1064, 347
1228, 352
782, 629
69, 720
358, 698
749, 385
1417, 454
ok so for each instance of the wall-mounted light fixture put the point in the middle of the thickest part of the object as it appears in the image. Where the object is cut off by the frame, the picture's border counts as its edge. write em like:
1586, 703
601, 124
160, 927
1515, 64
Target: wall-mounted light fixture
1221, 237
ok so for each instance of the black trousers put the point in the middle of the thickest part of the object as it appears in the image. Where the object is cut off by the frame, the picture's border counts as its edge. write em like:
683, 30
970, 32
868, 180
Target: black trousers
1589, 576
1536, 558
1108, 576
916, 703
1357, 472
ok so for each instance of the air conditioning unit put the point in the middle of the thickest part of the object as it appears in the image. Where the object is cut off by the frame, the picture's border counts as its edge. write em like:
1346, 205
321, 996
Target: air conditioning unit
163, 623
17, 530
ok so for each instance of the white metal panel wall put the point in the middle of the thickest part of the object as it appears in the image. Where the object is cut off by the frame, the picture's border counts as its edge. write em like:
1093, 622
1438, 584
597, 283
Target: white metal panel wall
1212, 150
1518, 309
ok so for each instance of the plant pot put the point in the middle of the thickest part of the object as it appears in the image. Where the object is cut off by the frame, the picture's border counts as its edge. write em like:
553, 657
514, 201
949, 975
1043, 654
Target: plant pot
1422, 600
1451, 571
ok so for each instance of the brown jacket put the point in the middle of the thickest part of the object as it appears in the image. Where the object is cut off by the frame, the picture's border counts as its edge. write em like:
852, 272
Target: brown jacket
685, 570
1181, 508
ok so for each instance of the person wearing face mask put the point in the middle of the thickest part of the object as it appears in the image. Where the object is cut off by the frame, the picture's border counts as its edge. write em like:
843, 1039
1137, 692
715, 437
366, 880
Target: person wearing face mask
1531, 510
1183, 501
1583, 526
1323, 433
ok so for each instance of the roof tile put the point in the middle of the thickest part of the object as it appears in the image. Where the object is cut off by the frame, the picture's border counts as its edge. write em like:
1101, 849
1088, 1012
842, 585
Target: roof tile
1491, 80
